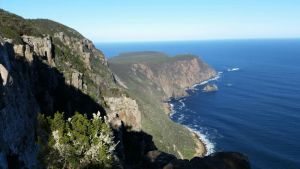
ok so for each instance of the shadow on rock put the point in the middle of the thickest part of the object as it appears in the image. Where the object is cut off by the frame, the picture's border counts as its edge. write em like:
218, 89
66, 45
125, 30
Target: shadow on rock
220, 160
140, 151
53, 94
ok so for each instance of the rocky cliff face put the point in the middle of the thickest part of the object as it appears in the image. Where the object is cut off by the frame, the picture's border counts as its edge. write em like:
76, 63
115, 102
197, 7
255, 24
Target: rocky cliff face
175, 76
31, 83
52, 68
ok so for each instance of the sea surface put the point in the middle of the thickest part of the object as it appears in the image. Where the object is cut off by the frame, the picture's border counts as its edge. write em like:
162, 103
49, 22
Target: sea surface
256, 110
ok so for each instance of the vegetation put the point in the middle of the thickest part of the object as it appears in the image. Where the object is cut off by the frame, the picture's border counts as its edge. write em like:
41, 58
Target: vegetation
98, 79
147, 57
75, 143
66, 59
168, 136
138, 57
12, 26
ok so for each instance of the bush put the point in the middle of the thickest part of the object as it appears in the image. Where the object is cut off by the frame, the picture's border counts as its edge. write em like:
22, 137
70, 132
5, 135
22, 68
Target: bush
75, 143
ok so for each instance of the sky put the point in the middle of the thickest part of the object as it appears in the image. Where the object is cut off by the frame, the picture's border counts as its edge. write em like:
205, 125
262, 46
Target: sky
167, 20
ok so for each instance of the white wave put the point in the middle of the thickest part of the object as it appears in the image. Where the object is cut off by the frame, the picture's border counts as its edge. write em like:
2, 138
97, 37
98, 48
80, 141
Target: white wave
171, 106
180, 119
209, 146
182, 104
204, 82
207, 81
233, 69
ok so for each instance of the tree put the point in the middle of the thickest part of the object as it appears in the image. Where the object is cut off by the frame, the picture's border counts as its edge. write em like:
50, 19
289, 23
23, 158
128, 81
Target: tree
78, 142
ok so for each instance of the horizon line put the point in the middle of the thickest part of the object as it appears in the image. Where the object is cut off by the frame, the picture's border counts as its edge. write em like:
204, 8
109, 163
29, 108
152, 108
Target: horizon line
197, 40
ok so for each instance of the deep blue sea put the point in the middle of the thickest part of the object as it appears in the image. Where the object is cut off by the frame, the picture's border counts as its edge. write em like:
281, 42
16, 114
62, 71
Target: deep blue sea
256, 110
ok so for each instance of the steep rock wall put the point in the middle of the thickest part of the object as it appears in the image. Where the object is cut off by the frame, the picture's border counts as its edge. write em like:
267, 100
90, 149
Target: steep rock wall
174, 77
33, 80
18, 112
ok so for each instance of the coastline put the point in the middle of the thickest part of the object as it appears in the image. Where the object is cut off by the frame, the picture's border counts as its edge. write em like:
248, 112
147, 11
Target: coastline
201, 148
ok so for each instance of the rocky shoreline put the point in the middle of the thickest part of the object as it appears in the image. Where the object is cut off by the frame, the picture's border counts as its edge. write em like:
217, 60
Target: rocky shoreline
201, 149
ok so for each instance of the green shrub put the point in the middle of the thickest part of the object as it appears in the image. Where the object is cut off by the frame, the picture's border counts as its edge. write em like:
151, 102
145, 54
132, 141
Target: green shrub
75, 143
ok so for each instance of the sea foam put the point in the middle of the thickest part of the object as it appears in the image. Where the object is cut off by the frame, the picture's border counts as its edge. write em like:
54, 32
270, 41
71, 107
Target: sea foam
182, 104
209, 146
233, 69
207, 81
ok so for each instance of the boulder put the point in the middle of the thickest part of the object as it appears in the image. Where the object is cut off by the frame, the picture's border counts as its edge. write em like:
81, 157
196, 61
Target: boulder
210, 88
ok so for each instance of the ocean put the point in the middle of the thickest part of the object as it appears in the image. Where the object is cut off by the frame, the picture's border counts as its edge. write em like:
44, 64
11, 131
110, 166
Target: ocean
256, 110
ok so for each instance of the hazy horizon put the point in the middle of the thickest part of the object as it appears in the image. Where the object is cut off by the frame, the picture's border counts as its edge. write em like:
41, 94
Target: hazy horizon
200, 40
155, 21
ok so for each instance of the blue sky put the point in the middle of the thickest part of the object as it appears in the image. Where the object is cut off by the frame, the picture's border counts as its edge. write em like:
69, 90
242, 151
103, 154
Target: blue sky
167, 20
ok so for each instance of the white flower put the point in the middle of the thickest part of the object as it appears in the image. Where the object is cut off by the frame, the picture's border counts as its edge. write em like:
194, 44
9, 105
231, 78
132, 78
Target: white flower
97, 116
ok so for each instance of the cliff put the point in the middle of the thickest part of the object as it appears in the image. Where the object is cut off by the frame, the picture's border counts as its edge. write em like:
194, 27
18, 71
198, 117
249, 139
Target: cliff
47, 67
152, 78
18, 110
170, 76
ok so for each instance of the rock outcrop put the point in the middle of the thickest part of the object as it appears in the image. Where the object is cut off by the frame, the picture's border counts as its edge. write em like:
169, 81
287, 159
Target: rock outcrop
210, 88
83, 47
127, 110
38, 46
35, 46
